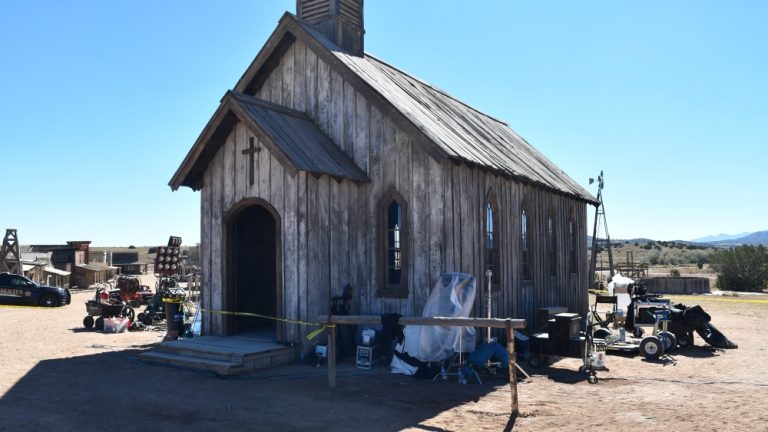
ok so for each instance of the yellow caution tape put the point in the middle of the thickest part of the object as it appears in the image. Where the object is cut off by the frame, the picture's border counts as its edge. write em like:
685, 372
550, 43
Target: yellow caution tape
310, 336
731, 300
172, 300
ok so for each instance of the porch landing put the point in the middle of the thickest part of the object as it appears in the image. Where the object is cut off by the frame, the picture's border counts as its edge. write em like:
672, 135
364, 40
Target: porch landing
233, 355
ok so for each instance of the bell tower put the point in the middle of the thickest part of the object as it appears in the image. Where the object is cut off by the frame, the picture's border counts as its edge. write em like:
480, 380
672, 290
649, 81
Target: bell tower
340, 20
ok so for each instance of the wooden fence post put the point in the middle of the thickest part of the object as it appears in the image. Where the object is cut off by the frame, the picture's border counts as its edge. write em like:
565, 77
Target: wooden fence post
332, 356
512, 367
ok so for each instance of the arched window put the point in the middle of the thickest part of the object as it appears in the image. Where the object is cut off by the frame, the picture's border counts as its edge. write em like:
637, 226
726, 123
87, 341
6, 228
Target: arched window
492, 241
551, 245
394, 247
574, 263
525, 245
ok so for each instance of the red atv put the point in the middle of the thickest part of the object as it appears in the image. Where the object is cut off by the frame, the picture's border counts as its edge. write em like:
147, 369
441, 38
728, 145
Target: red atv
143, 296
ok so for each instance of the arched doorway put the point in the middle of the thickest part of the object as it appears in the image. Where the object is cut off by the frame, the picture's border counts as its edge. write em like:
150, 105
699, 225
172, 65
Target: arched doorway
253, 276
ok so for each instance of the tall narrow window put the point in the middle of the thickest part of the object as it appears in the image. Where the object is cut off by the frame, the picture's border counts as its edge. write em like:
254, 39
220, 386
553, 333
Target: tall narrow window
492, 256
551, 246
525, 245
393, 252
572, 246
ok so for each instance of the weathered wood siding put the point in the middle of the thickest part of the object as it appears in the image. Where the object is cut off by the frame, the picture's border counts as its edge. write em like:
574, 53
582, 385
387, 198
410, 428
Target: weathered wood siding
329, 234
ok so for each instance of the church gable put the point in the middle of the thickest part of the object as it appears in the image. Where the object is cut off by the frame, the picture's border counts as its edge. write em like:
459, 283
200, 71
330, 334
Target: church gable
297, 68
284, 72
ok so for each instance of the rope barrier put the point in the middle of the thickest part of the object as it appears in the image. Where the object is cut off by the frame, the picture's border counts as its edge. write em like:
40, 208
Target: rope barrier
310, 336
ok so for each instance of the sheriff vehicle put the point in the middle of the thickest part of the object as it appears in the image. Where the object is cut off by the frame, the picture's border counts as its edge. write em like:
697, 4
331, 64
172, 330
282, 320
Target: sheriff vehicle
18, 290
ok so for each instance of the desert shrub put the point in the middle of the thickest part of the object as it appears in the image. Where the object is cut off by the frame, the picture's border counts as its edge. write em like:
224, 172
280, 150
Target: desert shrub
653, 258
701, 259
743, 268
674, 273
152, 250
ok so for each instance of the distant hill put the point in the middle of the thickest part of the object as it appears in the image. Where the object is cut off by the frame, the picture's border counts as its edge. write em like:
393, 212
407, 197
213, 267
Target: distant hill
756, 238
640, 241
720, 237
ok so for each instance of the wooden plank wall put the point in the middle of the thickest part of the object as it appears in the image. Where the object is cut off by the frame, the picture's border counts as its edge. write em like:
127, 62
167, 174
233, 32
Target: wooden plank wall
329, 234
677, 285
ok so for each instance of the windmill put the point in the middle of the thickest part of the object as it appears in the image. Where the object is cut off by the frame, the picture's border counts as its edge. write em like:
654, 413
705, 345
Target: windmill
600, 221
10, 260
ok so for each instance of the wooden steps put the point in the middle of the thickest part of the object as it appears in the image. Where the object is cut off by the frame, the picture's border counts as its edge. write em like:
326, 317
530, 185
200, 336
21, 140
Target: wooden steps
222, 355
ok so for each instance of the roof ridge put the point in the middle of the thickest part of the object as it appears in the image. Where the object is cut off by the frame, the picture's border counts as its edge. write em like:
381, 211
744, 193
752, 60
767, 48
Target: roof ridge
246, 98
437, 89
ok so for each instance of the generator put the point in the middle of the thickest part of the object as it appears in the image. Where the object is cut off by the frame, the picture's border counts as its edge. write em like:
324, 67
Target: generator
563, 338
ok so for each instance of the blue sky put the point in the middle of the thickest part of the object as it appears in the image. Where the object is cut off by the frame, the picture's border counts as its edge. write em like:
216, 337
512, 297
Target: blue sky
100, 102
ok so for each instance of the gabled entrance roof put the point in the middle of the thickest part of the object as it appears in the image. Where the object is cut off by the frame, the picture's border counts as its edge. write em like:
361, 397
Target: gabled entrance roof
290, 135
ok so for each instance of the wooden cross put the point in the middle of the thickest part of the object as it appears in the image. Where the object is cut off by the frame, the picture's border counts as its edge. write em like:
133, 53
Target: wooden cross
250, 151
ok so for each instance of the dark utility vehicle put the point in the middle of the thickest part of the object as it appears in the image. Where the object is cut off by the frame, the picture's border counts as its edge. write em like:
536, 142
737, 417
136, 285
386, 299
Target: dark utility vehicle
18, 290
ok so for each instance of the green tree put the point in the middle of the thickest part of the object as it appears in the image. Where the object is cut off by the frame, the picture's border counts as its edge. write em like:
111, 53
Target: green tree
743, 268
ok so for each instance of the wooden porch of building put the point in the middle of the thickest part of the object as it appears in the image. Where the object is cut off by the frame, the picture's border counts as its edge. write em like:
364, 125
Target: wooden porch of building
231, 355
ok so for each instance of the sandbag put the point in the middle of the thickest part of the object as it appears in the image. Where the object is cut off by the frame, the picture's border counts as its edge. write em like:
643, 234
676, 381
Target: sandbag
714, 337
696, 317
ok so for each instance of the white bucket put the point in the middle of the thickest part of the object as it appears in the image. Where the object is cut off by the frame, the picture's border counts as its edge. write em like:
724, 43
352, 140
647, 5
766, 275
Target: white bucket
116, 325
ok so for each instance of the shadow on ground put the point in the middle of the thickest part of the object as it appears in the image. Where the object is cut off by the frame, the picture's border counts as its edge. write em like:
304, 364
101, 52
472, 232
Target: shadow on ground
559, 374
115, 390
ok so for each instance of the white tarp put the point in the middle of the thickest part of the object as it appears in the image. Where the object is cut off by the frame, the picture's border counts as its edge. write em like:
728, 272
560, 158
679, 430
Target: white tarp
452, 296
619, 287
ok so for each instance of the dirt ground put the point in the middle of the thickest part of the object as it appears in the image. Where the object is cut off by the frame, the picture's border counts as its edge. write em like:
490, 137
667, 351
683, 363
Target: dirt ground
56, 375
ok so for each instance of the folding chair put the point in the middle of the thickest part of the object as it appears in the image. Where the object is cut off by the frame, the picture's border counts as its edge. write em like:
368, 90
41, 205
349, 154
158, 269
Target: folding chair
610, 316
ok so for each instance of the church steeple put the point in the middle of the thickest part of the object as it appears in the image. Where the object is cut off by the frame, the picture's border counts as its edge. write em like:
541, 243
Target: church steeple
340, 20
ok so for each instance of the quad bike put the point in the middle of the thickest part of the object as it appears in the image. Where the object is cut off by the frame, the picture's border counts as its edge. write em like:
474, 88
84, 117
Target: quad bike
109, 303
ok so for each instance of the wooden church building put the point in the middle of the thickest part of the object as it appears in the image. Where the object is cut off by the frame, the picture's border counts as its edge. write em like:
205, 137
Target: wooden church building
326, 167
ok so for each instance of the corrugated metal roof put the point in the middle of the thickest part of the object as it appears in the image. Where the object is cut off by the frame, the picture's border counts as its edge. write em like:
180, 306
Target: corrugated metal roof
56, 271
92, 268
306, 146
36, 256
461, 131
